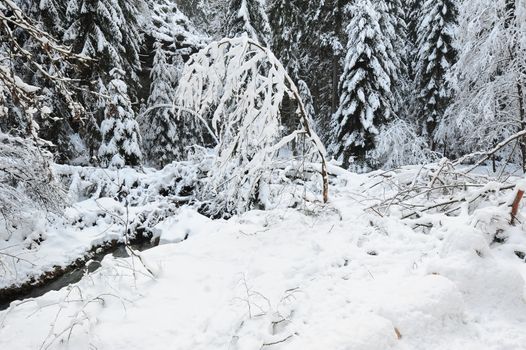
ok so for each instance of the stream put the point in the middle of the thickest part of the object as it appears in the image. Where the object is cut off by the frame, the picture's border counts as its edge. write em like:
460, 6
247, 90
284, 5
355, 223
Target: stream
71, 274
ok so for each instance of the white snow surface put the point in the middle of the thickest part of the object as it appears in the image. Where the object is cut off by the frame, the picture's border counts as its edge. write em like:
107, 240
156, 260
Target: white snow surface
338, 277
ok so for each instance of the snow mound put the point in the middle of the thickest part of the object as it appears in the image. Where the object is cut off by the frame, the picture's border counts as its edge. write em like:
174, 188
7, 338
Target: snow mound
466, 260
186, 223
423, 303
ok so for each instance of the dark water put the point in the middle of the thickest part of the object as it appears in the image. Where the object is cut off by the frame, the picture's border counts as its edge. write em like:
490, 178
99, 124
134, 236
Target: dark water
73, 276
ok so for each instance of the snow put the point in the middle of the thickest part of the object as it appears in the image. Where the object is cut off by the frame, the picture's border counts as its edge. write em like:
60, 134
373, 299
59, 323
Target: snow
179, 228
331, 277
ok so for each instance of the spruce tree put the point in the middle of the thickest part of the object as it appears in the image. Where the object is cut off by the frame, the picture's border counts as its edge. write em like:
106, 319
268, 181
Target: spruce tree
171, 38
366, 96
288, 20
434, 58
53, 16
161, 139
326, 39
109, 32
120, 131
173, 28
250, 17
394, 27
55, 125
411, 18
290, 43
209, 16
412, 14
310, 39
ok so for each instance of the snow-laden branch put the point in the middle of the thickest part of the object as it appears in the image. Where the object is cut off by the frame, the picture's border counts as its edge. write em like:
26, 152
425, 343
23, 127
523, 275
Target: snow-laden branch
12, 19
19, 20
488, 154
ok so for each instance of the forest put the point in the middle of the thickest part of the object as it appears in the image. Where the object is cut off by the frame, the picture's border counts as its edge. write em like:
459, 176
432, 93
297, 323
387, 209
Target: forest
253, 174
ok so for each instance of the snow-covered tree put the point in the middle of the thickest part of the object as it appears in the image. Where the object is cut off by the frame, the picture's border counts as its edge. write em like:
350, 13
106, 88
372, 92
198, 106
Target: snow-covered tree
250, 17
326, 31
309, 38
394, 27
159, 129
488, 79
288, 22
58, 124
412, 15
120, 131
109, 31
171, 27
171, 38
434, 58
209, 16
306, 97
235, 88
53, 15
366, 86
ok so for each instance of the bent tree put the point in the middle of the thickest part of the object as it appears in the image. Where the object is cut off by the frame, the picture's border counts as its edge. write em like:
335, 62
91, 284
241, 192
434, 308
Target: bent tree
235, 88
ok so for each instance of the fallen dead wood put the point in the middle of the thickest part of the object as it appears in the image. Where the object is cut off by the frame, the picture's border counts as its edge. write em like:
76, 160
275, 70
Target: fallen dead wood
515, 205
464, 199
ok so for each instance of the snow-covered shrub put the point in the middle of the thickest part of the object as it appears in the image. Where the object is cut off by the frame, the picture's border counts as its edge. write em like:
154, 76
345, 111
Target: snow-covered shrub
235, 88
132, 201
27, 184
426, 196
398, 144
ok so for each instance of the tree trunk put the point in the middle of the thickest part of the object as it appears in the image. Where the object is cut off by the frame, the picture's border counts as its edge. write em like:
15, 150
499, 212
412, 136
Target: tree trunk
522, 118
494, 163
430, 129
335, 83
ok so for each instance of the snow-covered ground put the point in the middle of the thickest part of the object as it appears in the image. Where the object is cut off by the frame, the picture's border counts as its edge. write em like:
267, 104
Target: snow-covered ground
336, 277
